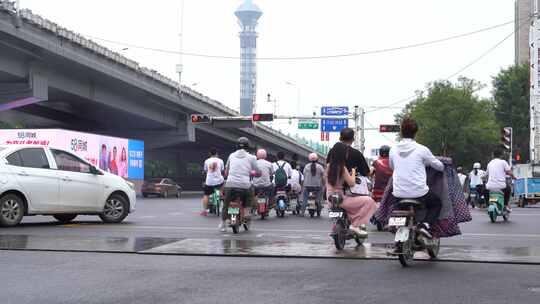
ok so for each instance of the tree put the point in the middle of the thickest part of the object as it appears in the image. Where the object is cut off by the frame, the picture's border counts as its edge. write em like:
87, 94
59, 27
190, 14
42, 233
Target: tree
511, 98
454, 122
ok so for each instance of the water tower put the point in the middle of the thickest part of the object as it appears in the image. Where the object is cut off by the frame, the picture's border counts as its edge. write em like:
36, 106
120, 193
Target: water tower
248, 14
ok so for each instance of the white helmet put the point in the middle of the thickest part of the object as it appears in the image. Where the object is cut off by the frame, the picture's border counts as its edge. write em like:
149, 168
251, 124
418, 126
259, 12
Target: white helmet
477, 166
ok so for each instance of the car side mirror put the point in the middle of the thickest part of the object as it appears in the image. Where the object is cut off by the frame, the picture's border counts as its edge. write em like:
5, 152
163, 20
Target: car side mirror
95, 171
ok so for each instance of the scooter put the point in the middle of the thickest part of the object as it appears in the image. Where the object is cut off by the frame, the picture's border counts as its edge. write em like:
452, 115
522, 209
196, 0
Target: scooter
214, 200
262, 204
237, 213
340, 229
408, 239
282, 202
294, 207
496, 206
313, 204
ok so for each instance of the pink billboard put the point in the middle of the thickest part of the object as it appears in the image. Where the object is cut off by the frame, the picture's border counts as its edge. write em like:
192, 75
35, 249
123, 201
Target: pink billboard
111, 154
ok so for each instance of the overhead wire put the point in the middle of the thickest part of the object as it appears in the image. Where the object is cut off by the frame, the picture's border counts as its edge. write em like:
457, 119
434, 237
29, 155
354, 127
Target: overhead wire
332, 56
491, 49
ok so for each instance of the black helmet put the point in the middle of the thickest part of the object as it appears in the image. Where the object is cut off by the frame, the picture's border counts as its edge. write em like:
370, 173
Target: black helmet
242, 143
384, 151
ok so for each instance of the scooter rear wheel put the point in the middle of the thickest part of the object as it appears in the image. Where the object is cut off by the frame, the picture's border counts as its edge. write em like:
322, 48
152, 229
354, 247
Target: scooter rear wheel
339, 236
492, 217
407, 253
311, 213
235, 229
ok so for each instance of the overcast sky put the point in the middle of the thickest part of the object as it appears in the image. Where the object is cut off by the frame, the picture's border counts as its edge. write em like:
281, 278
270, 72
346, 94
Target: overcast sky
304, 28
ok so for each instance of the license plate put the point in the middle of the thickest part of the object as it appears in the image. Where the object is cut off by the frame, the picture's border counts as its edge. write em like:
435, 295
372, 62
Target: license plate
334, 214
233, 210
397, 221
402, 234
311, 204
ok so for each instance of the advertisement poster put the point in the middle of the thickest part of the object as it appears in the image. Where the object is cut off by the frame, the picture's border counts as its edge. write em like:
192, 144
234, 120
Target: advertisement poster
120, 156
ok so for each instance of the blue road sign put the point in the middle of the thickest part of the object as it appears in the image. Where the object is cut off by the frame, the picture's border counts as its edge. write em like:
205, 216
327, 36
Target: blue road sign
334, 111
334, 125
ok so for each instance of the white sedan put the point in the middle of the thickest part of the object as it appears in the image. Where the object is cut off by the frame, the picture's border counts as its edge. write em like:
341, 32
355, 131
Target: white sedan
37, 180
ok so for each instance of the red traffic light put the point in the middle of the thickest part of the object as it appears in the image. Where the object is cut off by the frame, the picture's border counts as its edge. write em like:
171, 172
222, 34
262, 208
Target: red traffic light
263, 117
200, 118
389, 128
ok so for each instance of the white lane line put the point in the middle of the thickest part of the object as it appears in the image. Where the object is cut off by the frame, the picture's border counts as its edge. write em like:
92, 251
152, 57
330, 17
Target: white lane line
146, 216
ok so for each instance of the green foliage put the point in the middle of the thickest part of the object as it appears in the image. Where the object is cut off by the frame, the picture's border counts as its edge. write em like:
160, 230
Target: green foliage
454, 122
158, 168
511, 98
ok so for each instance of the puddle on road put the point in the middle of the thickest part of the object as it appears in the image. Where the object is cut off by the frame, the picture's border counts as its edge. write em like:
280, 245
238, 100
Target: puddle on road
82, 243
257, 247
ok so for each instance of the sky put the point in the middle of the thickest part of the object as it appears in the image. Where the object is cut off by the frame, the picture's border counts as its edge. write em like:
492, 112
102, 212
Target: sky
296, 28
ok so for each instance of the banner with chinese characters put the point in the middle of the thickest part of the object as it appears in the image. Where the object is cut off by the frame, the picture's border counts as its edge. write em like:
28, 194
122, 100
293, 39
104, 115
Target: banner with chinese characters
120, 156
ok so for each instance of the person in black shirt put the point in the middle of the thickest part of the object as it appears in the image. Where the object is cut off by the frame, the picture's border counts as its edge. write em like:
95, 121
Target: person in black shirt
354, 159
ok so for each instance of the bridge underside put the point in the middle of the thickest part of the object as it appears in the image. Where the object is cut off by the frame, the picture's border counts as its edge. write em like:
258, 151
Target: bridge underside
46, 82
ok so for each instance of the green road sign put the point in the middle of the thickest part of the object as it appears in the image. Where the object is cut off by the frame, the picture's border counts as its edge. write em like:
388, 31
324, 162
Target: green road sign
308, 124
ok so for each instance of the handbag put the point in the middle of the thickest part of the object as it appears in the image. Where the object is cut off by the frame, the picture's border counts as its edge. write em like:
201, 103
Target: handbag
361, 188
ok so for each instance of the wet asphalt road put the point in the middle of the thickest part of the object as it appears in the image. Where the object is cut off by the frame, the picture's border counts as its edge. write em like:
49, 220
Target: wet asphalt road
30, 277
180, 219
62, 277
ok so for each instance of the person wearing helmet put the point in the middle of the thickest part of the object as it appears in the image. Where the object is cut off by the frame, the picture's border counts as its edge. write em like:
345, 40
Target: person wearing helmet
381, 172
313, 181
213, 167
240, 167
476, 185
264, 182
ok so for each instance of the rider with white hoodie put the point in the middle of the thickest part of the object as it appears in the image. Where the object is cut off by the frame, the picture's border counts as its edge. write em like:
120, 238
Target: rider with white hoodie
409, 160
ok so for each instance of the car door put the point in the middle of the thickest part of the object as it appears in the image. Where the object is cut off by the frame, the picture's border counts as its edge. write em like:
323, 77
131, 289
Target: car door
39, 182
80, 190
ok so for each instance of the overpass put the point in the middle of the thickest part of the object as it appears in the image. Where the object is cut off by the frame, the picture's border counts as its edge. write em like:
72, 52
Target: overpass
51, 77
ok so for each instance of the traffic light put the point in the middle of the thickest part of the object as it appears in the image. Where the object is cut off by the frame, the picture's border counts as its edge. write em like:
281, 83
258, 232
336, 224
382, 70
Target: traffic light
389, 128
263, 117
506, 139
200, 118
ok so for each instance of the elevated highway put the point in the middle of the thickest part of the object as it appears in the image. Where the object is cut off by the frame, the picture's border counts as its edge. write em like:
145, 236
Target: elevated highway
51, 77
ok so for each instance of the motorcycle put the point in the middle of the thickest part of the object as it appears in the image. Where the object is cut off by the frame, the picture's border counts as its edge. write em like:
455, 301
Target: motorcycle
262, 204
496, 206
313, 204
340, 230
214, 205
237, 213
408, 239
282, 202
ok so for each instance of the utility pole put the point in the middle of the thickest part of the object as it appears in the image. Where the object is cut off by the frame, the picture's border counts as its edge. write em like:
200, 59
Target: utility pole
359, 139
180, 66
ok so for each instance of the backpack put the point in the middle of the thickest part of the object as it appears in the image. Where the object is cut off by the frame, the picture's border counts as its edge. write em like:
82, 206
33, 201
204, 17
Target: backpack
280, 177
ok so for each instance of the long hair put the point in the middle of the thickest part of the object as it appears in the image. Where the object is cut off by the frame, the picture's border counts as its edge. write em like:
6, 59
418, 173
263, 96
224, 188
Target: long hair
337, 163
313, 168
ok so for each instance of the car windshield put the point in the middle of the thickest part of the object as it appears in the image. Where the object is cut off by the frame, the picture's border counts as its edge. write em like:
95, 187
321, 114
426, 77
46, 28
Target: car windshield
155, 180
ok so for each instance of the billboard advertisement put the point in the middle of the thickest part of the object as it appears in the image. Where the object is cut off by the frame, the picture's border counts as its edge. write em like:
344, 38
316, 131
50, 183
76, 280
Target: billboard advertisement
120, 156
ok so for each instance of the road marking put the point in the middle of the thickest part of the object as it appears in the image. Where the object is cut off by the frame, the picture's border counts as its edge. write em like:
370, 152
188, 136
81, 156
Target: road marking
71, 225
146, 216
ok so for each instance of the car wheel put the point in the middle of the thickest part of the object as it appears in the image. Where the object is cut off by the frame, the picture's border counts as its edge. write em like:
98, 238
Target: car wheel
12, 210
115, 210
65, 218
